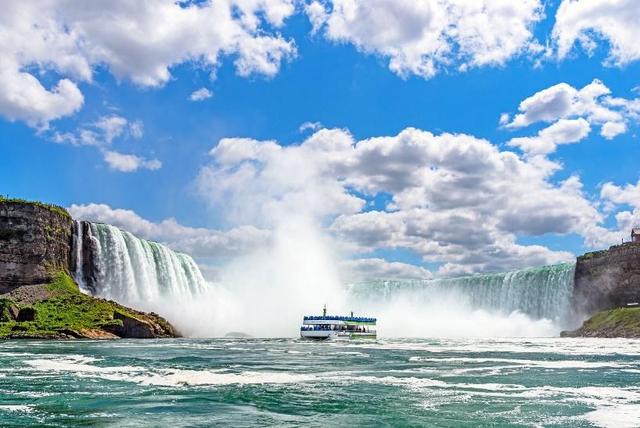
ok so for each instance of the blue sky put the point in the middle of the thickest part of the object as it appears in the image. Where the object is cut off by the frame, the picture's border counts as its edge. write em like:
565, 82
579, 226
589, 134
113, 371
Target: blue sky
344, 82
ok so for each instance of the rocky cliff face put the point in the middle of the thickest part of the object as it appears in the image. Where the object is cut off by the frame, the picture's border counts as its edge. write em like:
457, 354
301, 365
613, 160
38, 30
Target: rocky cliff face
38, 297
35, 243
606, 279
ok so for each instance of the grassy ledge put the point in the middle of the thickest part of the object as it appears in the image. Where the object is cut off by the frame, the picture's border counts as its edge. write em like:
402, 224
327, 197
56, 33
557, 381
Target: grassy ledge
618, 322
51, 207
68, 313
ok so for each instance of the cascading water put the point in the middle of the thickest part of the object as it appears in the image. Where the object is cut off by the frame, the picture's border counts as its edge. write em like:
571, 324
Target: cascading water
539, 293
114, 264
131, 270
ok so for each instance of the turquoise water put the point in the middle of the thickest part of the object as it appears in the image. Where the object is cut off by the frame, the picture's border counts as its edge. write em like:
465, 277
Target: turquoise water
286, 382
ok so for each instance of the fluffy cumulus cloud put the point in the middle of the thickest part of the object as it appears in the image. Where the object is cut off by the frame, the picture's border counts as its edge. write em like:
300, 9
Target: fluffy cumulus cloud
564, 131
66, 40
202, 243
588, 22
453, 199
421, 37
262, 181
572, 112
623, 202
200, 94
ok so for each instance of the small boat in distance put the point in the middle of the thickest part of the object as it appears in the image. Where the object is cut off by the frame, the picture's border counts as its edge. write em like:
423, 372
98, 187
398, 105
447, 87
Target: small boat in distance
339, 327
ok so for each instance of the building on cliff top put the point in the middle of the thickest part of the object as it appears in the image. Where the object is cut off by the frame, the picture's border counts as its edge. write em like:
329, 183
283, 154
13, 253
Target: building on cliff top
635, 234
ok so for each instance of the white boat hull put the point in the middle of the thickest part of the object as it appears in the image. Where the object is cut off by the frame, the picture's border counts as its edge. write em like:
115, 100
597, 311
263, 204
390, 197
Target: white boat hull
333, 334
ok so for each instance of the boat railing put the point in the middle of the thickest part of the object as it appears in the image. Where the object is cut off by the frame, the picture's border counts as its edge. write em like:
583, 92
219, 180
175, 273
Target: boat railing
338, 318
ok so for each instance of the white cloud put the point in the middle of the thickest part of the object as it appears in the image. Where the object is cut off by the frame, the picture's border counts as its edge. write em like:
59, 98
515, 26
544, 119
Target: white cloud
111, 127
624, 203
129, 163
564, 131
136, 129
133, 40
102, 132
455, 199
261, 181
612, 129
361, 270
547, 105
587, 22
621, 195
200, 94
207, 244
23, 97
419, 38
309, 126
562, 100
572, 112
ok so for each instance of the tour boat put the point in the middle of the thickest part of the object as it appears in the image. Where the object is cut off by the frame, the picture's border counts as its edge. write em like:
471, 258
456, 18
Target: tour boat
337, 327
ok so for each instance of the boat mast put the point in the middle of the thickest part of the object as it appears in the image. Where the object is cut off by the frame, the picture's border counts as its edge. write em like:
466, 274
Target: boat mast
324, 310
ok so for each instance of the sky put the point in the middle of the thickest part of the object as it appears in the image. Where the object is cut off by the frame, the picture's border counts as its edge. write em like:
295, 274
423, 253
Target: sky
423, 138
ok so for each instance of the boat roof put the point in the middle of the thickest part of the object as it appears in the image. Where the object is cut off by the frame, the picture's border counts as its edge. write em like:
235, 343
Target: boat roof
337, 318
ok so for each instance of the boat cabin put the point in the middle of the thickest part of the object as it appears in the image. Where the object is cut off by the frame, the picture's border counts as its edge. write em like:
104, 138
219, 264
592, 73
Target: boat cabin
336, 326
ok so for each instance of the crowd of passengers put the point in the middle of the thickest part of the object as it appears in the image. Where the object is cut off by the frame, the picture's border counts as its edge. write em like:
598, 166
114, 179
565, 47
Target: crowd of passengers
338, 318
325, 327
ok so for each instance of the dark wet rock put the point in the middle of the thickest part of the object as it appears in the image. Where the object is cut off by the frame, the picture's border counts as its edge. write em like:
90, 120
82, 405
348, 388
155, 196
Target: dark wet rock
26, 314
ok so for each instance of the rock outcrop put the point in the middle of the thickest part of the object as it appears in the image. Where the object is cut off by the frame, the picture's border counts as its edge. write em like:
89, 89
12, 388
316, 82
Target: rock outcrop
618, 322
35, 243
38, 297
607, 279
146, 326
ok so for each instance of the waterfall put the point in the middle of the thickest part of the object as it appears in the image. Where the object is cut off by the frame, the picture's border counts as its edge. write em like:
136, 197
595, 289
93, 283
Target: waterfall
541, 292
114, 264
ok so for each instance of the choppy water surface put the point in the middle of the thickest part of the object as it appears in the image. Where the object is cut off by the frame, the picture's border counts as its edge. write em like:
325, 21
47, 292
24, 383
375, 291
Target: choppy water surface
286, 382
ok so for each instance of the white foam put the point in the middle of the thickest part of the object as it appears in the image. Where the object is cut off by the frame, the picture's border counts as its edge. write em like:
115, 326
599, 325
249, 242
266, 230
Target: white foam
522, 362
82, 367
560, 346
197, 377
16, 408
620, 416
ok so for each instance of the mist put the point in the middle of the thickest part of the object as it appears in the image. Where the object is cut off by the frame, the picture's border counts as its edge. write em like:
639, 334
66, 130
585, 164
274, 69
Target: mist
267, 292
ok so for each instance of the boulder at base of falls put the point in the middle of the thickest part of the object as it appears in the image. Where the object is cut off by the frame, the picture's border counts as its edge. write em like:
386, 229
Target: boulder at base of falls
618, 322
140, 325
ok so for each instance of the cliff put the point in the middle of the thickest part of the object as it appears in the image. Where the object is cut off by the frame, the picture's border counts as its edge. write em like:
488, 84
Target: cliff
38, 297
606, 282
607, 279
35, 242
